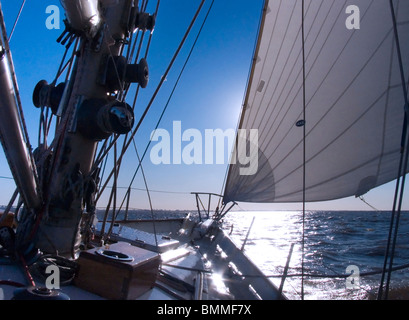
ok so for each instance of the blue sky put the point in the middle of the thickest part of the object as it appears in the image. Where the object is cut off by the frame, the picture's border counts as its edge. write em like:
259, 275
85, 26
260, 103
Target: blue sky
209, 95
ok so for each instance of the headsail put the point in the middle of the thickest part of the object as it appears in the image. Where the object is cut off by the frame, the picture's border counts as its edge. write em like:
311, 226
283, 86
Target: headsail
354, 102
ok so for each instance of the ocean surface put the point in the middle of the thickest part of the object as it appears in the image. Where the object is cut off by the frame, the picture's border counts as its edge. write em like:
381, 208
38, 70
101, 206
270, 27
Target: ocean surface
338, 246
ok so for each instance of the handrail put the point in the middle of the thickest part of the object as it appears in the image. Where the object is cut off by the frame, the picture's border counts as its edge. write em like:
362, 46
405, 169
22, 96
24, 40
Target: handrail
219, 213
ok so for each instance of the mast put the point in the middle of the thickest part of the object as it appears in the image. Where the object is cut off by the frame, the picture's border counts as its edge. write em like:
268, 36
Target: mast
13, 135
89, 111
17, 153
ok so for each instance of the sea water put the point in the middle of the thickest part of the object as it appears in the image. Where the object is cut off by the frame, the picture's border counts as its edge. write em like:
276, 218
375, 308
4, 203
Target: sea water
336, 250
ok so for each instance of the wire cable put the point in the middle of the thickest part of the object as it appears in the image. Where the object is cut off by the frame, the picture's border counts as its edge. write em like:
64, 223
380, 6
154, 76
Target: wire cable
153, 98
401, 177
304, 150
17, 19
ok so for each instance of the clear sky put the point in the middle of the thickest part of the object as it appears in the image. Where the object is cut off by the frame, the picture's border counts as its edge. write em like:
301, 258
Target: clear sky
209, 95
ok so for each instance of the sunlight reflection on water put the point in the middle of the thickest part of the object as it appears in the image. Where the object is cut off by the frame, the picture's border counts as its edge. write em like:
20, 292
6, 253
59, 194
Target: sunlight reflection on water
331, 245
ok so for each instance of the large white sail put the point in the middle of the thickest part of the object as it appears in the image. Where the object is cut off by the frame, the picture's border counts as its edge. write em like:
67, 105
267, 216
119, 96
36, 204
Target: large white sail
354, 101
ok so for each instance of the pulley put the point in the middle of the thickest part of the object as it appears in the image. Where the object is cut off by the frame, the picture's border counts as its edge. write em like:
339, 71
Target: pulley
99, 118
145, 21
141, 20
46, 95
118, 72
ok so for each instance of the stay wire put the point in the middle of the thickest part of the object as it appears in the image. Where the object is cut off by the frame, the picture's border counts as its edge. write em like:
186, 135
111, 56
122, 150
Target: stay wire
401, 178
148, 193
124, 91
173, 90
17, 19
304, 150
102, 155
112, 196
126, 145
122, 96
167, 103
163, 78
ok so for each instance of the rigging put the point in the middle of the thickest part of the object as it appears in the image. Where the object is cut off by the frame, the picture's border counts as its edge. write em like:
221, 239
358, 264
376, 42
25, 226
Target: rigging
401, 177
129, 141
17, 19
170, 98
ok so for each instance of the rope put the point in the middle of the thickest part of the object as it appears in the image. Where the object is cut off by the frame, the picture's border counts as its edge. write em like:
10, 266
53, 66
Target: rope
368, 204
12, 283
67, 268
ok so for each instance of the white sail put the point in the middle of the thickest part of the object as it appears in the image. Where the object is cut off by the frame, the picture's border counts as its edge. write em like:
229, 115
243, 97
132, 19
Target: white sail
354, 101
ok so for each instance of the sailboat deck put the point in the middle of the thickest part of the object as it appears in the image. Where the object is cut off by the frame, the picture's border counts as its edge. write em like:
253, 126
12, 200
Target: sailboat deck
210, 268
